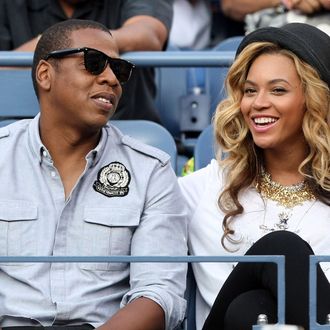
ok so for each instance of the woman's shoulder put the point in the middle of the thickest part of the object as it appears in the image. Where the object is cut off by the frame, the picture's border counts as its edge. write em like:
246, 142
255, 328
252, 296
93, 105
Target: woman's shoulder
202, 176
194, 185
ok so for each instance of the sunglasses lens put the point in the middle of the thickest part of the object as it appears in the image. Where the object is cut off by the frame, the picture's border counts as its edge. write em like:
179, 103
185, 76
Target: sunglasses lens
121, 68
95, 61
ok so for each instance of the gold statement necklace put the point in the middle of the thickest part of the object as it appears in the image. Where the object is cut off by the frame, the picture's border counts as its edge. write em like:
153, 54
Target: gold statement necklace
285, 196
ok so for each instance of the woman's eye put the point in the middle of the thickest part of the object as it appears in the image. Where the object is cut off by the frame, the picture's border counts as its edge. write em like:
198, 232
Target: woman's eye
249, 90
279, 90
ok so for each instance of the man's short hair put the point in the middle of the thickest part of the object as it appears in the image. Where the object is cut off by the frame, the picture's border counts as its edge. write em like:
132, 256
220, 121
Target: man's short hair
57, 37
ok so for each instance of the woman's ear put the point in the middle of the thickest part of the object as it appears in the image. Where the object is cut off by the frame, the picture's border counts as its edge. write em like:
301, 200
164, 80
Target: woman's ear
43, 75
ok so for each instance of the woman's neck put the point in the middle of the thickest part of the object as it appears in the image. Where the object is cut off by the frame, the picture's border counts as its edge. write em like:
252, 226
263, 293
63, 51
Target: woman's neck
283, 166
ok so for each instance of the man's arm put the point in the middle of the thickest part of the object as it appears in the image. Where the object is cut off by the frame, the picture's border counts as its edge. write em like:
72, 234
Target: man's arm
155, 300
28, 46
140, 314
325, 4
137, 33
141, 33
238, 9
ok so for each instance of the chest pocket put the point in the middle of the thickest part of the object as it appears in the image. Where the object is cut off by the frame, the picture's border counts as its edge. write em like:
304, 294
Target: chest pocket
108, 232
18, 229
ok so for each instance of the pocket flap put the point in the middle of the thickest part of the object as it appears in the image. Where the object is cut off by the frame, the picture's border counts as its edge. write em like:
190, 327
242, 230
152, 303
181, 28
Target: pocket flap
18, 210
113, 217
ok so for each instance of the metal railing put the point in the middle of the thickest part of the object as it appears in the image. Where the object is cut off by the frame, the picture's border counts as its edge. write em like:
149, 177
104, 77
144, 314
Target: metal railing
278, 260
144, 59
313, 261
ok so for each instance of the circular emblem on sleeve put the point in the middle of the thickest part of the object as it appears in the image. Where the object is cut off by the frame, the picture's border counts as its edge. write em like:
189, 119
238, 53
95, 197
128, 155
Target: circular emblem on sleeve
112, 180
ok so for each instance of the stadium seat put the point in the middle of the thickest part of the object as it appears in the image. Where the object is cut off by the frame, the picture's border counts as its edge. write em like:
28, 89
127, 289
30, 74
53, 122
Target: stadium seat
205, 148
150, 133
18, 100
188, 96
216, 76
183, 102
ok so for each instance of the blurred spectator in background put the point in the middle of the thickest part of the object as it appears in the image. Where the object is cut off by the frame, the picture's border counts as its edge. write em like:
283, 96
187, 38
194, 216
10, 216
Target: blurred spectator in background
223, 26
139, 25
263, 13
191, 28
200, 24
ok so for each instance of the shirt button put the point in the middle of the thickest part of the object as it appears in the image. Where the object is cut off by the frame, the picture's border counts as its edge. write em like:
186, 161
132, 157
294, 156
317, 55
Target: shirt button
53, 174
44, 153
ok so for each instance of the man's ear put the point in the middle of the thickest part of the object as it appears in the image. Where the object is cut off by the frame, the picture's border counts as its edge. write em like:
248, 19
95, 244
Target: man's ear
44, 73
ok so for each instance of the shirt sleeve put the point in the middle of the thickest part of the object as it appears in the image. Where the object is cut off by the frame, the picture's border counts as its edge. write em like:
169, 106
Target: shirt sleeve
160, 9
162, 232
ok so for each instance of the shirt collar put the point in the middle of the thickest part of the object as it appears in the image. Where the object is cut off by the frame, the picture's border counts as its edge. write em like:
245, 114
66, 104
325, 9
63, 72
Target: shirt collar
36, 146
41, 152
94, 155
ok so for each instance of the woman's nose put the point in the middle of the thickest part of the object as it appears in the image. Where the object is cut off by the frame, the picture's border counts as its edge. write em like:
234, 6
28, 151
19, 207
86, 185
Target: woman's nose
261, 100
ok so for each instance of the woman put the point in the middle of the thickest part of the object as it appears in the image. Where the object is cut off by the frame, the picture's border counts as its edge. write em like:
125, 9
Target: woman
271, 194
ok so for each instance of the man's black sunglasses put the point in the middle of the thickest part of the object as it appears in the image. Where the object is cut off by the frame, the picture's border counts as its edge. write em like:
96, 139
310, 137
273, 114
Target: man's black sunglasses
96, 62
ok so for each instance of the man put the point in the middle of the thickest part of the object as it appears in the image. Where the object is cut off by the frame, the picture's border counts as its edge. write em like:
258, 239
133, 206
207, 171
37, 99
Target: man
73, 185
136, 25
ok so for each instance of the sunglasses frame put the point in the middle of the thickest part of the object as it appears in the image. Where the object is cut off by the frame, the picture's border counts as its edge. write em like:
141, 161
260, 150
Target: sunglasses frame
109, 60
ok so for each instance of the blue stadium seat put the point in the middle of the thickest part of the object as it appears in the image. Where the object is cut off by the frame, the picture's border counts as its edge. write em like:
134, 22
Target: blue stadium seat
150, 133
18, 100
183, 101
217, 76
171, 85
188, 96
205, 148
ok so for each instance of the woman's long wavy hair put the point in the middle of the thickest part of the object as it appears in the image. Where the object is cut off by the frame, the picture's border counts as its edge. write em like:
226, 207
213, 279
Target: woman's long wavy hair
244, 160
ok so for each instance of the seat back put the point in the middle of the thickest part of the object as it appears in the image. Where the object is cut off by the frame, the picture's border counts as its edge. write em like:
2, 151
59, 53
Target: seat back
150, 133
217, 76
171, 86
187, 96
205, 148
18, 100
183, 100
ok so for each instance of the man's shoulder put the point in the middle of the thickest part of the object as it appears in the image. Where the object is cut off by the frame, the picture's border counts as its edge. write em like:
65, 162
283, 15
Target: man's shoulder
4, 132
137, 147
12, 130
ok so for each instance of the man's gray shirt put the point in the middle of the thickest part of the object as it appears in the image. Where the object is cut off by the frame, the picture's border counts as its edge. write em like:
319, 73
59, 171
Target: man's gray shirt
126, 202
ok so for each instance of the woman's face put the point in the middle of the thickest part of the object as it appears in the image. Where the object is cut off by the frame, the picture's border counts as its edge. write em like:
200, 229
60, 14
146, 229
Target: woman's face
273, 103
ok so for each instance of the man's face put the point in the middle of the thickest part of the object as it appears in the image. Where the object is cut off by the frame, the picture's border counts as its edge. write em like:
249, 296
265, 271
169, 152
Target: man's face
77, 97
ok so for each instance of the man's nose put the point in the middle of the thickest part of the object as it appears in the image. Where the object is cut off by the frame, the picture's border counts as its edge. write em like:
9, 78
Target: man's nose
108, 76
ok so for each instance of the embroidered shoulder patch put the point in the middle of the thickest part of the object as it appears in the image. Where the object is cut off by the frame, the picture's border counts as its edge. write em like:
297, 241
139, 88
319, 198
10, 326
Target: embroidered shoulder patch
113, 180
